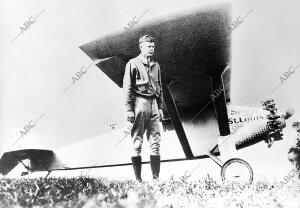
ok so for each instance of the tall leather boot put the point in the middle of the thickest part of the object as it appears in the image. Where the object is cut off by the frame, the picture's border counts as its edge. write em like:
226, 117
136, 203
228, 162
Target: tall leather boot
155, 165
137, 167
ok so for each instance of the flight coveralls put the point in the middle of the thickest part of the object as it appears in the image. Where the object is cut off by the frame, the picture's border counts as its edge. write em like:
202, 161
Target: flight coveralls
143, 96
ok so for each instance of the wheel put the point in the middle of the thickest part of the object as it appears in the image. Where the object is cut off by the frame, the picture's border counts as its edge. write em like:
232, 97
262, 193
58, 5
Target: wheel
237, 170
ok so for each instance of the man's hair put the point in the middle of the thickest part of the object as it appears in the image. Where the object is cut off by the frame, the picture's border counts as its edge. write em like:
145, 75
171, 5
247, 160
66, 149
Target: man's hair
146, 38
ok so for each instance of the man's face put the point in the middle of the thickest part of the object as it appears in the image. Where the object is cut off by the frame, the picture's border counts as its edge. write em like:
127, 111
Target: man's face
147, 48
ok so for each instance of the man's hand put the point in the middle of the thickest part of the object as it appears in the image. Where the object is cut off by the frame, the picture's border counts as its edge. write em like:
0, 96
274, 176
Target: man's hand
130, 116
161, 114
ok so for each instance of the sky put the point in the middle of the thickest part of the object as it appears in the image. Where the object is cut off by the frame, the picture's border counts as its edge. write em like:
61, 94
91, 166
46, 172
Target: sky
39, 65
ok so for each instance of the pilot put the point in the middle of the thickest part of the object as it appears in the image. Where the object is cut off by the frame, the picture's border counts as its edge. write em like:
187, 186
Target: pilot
144, 102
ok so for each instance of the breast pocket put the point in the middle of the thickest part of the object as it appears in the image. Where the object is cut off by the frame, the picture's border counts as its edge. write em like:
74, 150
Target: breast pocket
156, 84
141, 82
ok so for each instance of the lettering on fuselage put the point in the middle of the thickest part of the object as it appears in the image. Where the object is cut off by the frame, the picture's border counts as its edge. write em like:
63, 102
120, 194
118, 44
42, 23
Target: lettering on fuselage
245, 112
245, 119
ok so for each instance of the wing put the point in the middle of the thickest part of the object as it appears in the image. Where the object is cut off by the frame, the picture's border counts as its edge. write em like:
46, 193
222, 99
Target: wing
189, 46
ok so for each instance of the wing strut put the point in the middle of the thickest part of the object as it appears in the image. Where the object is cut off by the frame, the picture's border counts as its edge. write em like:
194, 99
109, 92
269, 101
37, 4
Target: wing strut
225, 144
175, 118
220, 105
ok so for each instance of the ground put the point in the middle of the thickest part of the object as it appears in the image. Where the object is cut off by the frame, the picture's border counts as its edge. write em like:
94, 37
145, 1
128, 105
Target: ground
89, 192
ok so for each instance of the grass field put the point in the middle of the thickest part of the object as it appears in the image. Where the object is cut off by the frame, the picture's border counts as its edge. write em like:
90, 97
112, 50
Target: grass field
100, 192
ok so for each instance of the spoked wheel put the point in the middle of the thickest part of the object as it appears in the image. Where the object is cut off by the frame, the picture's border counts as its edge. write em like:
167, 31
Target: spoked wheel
237, 170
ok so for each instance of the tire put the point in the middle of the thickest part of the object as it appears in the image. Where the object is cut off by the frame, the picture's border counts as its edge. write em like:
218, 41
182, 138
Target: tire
235, 161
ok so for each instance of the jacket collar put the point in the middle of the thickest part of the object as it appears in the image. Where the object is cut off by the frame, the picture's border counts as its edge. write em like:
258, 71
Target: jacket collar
142, 59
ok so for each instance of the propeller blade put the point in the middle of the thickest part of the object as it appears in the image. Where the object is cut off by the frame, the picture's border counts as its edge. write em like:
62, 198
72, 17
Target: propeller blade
289, 113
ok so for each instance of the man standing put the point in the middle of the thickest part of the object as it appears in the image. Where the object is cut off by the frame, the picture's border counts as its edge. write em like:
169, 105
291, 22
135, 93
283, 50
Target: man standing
144, 101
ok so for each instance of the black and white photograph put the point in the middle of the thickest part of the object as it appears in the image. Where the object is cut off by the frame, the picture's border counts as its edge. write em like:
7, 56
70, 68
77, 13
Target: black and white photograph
155, 104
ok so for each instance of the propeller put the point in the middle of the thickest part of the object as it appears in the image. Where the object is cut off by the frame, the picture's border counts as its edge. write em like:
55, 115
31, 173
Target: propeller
274, 121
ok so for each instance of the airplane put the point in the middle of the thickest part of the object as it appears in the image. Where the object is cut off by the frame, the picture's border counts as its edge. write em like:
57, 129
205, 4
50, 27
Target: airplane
193, 47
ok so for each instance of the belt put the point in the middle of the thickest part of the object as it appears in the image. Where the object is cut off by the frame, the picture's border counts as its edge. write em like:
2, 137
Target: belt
145, 96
